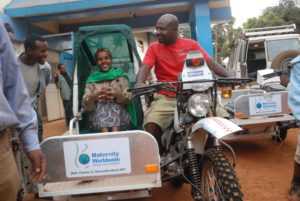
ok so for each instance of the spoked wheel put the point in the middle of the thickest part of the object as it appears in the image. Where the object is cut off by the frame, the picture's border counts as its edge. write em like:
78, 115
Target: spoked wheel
281, 136
218, 179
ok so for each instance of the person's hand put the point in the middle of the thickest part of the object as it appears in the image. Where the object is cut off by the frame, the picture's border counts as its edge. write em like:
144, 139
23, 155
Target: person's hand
111, 94
54, 74
97, 95
105, 94
38, 165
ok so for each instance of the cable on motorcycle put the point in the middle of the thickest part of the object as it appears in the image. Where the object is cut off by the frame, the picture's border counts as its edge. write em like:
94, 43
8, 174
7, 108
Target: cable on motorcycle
232, 151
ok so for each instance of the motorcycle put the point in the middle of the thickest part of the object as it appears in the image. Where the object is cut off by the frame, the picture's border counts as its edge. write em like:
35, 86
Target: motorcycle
126, 164
193, 144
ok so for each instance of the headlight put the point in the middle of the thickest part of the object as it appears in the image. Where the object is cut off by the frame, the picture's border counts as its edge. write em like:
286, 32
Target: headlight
198, 105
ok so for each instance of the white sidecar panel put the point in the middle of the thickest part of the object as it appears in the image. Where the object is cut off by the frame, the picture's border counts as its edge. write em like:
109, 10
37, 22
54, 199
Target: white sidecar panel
262, 120
262, 104
228, 103
102, 162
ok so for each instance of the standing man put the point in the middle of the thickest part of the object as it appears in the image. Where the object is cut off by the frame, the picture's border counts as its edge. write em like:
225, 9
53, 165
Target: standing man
294, 103
36, 71
167, 55
64, 82
15, 112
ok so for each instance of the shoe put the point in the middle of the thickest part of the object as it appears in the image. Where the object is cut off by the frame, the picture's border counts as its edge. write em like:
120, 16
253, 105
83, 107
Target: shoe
294, 192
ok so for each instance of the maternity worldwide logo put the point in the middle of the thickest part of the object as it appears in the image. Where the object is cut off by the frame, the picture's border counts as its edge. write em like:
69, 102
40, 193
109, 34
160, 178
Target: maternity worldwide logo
95, 157
82, 158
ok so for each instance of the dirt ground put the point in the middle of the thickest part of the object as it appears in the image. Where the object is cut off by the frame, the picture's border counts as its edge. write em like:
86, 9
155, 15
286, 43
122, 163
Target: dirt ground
264, 168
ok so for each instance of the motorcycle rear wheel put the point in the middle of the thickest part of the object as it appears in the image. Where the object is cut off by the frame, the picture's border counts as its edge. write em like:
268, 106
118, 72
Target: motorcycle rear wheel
218, 179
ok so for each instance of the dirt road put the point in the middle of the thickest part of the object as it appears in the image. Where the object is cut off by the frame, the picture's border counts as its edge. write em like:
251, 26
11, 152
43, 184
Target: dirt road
264, 168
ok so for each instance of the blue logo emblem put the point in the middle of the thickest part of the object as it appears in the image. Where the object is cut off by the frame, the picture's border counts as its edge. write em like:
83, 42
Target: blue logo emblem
258, 105
84, 159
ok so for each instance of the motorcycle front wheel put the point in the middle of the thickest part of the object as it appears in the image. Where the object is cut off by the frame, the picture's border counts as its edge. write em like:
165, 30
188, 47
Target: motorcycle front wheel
218, 179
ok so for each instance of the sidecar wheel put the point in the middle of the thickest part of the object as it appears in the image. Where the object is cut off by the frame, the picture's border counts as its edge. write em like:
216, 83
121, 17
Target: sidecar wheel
218, 179
281, 137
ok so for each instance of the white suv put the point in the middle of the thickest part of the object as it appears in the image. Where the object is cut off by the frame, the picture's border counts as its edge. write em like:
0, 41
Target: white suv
263, 48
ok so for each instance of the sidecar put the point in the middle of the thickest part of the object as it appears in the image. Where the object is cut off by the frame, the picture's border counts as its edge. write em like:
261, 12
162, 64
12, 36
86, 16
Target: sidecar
84, 165
258, 111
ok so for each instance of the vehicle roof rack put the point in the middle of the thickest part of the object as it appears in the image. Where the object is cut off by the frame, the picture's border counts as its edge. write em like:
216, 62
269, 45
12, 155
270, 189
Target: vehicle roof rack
269, 30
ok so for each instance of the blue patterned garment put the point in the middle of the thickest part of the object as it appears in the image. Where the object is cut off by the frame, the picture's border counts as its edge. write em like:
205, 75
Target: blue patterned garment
294, 88
108, 114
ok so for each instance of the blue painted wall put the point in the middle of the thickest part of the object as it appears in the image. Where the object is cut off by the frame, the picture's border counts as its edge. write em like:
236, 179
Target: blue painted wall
21, 28
199, 17
201, 25
62, 7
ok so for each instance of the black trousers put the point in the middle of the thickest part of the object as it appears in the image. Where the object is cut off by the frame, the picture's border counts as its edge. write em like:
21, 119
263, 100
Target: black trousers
68, 114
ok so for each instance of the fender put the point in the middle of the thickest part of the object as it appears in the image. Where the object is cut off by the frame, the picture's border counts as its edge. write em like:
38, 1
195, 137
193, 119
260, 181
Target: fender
217, 126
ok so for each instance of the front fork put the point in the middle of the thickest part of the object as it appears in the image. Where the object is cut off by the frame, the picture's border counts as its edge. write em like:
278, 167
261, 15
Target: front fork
194, 167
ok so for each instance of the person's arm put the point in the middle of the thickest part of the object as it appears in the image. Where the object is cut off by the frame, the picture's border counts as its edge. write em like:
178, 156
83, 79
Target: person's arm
48, 73
213, 65
148, 62
142, 75
58, 80
122, 96
88, 100
217, 68
18, 98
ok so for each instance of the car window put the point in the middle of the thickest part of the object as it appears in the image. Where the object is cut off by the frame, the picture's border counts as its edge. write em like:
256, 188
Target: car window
277, 46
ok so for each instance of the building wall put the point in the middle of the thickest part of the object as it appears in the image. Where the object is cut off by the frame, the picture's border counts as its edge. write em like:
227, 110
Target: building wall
141, 43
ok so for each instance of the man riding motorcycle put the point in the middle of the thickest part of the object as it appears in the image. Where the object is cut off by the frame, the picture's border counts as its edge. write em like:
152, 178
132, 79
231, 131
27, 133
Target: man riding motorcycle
167, 55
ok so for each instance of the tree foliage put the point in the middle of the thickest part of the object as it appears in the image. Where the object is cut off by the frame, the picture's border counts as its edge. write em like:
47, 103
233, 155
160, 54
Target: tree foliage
287, 12
224, 35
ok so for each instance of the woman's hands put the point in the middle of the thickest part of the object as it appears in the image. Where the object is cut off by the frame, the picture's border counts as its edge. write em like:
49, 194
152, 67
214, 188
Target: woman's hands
105, 94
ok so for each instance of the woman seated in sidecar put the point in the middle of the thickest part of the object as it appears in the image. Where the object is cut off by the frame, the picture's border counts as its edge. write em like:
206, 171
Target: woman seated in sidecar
105, 95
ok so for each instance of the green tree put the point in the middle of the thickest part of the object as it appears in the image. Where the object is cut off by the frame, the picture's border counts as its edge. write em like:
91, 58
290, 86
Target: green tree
287, 12
224, 36
184, 32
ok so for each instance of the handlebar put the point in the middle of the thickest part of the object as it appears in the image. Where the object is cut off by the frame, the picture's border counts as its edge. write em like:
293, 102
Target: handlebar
277, 73
153, 88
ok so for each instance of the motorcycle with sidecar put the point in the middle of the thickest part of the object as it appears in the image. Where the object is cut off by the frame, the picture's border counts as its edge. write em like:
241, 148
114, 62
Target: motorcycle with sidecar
82, 165
260, 108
